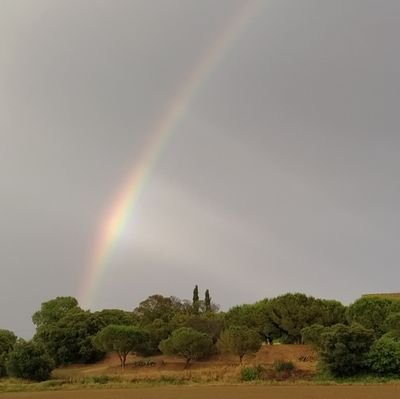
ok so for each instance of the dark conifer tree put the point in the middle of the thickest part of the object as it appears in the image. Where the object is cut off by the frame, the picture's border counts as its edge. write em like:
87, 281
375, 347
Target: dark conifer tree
207, 301
196, 300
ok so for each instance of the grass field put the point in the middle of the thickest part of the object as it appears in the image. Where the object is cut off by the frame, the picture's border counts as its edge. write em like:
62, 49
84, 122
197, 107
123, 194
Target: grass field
225, 392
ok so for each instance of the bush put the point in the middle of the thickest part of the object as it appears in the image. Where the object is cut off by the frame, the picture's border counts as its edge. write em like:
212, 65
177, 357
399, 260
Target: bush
282, 366
384, 357
29, 361
102, 379
344, 349
250, 373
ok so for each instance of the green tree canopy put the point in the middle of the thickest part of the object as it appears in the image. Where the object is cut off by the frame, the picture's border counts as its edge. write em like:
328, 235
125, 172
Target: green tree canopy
54, 310
69, 340
120, 339
312, 335
372, 312
209, 323
7, 342
239, 341
158, 307
119, 317
30, 361
293, 312
187, 343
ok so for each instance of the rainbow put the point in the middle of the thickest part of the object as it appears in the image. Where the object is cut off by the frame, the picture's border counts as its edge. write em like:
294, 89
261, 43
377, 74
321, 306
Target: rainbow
115, 221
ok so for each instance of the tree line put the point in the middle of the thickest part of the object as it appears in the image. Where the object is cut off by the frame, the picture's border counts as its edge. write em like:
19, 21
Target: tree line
362, 337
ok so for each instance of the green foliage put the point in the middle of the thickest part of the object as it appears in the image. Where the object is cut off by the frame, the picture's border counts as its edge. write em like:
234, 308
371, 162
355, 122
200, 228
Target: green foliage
196, 300
187, 343
392, 323
54, 310
293, 312
282, 366
210, 323
30, 361
384, 357
344, 349
7, 342
120, 339
207, 301
107, 317
239, 341
69, 340
372, 312
331, 312
256, 317
158, 307
312, 335
250, 373
102, 379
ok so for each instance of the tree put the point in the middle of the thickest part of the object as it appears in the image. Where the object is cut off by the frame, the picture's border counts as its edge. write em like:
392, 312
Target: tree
187, 343
312, 335
119, 317
344, 349
158, 307
392, 324
384, 357
239, 341
54, 310
331, 312
209, 323
69, 340
291, 313
256, 317
196, 300
7, 342
120, 339
372, 312
30, 361
207, 301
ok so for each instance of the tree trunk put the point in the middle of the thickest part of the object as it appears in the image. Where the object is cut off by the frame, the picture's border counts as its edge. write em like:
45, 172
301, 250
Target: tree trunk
120, 360
187, 363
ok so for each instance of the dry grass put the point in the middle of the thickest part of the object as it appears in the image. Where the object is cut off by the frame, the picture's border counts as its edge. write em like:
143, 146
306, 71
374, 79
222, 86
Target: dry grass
218, 368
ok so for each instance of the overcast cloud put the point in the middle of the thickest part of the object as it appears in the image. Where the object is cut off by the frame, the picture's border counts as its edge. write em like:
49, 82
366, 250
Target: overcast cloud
281, 176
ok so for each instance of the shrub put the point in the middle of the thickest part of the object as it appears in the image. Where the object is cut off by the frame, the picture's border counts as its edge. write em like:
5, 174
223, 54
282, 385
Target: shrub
344, 349
28, 360
250, 373
282, 366
101, 379
384, 357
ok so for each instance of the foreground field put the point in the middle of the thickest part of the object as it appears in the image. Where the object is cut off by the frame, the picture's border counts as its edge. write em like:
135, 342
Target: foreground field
222, 392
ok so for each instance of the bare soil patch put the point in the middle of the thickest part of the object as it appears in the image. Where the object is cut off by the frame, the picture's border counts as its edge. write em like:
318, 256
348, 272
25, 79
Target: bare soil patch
225, 392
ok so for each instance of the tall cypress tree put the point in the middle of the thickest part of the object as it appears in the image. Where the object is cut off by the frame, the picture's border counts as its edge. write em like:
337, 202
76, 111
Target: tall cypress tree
196, 300
207, 301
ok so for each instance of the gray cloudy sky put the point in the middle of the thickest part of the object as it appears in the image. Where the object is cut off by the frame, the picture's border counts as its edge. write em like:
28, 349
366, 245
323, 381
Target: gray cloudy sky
282, 175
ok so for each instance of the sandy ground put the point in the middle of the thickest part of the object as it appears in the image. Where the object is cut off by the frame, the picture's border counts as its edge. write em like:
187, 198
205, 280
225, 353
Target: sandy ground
228, 392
